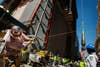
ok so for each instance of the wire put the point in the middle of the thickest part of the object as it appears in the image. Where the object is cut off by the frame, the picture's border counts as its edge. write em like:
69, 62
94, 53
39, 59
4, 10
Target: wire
60, 34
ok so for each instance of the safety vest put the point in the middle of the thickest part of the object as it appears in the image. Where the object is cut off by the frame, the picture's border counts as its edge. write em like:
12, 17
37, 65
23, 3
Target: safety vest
64, 60
82, 64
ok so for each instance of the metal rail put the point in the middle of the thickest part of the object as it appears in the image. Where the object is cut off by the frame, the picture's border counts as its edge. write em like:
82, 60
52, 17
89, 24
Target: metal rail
40, 21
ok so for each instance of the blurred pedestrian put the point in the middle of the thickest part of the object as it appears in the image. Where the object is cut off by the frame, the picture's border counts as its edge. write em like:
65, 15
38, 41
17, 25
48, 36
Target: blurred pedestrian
91, 59
98, 62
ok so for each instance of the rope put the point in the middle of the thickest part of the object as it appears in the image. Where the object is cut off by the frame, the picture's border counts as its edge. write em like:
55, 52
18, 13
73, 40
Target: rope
60, 34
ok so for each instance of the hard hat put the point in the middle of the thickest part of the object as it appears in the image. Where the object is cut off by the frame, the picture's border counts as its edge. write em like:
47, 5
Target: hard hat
15, 31
90, 46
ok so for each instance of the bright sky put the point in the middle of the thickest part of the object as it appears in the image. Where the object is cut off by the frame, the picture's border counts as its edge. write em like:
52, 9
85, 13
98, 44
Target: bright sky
90, 19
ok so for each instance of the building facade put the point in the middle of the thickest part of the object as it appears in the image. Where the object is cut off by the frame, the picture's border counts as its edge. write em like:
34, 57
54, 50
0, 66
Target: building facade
63, 39
97, 43
98, 25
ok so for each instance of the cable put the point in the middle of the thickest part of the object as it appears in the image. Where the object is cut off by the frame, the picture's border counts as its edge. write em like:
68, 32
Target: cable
60, 34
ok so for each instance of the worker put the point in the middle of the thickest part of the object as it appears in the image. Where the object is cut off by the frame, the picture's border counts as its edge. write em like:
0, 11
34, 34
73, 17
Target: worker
91, 59
98, 54
14, 43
